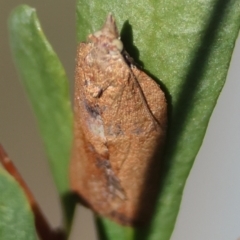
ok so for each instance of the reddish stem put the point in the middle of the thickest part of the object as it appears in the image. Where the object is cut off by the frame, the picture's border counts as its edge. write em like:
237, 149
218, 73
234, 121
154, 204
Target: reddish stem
42, 226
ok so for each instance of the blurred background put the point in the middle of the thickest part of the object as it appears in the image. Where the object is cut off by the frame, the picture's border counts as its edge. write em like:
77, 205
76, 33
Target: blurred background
210, 207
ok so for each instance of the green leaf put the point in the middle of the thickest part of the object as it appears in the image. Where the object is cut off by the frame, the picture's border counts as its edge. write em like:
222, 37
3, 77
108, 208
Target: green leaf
46, 83
108, 229
187, 46
16, 218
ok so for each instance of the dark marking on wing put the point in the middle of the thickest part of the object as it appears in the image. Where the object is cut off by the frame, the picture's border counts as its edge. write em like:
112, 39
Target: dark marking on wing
114, 130
94, 111
113, 182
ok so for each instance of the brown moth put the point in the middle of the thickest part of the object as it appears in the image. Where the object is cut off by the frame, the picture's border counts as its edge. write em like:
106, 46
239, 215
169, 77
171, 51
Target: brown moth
119, 130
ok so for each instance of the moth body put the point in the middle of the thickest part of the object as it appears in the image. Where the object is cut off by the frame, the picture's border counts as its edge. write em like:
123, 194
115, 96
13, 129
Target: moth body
120, 119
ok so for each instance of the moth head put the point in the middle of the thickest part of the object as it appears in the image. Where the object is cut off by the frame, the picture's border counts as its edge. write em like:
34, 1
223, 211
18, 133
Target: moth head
108, 37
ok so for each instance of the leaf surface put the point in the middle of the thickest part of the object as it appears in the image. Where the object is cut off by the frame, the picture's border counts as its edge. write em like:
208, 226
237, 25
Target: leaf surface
186, 46
16, 218
45, 81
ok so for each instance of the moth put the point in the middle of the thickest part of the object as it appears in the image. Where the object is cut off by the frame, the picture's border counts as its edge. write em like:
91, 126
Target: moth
120, 121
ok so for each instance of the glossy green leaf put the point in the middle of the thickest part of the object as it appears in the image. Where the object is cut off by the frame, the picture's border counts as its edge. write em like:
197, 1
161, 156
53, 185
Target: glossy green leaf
45, 80
16, 218
187, 47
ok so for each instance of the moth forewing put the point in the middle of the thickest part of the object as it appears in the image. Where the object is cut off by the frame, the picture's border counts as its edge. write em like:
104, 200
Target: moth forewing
120, 126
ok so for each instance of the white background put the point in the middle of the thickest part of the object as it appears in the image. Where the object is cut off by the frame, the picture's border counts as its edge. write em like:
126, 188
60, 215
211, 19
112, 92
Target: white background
210, 207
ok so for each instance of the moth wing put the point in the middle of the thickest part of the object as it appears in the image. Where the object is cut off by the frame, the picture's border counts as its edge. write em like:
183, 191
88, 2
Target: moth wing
120, 124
